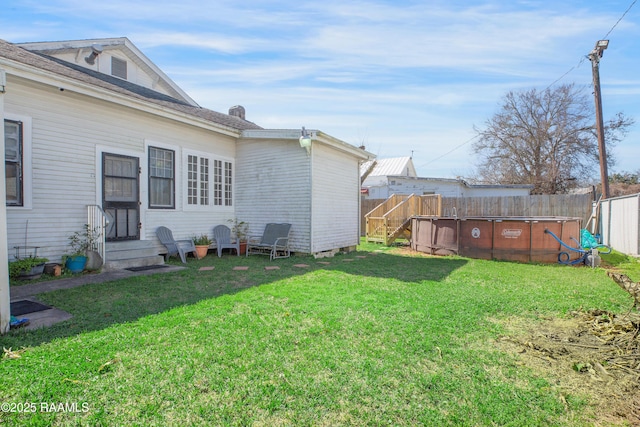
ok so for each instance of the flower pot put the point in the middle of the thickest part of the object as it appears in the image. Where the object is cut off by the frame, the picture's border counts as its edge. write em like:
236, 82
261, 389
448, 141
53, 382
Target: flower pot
76, 264
201, 251
33, 273
243, 248
53, 269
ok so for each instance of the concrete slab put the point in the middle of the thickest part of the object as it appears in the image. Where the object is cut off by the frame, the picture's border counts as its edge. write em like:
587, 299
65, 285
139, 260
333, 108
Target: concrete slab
44, 318
53, 315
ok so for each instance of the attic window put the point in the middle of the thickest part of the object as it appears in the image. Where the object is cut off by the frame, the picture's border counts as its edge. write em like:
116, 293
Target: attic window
118, 68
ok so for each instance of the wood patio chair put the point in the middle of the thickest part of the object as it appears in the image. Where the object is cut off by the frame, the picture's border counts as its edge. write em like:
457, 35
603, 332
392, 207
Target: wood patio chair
180, 247
274, 241
222, 236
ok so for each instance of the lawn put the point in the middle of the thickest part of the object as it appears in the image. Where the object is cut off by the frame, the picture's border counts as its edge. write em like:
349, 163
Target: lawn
376, 337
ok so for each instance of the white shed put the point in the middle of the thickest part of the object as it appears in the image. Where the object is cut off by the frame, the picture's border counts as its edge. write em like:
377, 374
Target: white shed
317, 191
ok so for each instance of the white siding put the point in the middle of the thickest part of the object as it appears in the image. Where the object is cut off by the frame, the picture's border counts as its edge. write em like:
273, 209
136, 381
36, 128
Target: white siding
336, 199
69, 133
444, 187
274, 186
620, 224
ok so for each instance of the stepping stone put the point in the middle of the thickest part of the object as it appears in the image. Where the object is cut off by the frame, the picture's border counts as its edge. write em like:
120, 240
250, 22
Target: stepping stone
273, 267
240, 268
347, 260
301, 265
360, 256
206, 268
324, 263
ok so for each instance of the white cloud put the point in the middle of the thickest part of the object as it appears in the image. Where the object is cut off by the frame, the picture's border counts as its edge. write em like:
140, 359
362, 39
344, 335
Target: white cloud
396, 75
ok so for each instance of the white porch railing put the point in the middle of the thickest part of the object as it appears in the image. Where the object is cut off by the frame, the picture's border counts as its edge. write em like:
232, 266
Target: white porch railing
97, 220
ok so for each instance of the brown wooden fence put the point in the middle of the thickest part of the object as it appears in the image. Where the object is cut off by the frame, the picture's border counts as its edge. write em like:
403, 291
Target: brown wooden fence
566, 205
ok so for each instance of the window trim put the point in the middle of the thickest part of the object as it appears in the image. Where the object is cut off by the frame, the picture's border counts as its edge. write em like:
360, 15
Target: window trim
27, 160
211, 182
150, 177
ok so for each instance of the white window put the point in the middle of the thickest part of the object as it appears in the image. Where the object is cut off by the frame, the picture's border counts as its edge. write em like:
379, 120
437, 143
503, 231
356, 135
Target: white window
13, 162
17, 161
162, 187
209, 181
223, 183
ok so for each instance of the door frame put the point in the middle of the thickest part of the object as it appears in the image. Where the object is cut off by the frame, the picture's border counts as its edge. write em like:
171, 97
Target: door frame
142, 183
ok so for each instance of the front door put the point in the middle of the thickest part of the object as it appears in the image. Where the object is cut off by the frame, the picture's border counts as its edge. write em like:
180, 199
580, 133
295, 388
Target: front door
121, 196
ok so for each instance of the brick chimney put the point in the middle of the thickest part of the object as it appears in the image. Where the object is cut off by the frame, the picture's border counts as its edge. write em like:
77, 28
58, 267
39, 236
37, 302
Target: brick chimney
238, 111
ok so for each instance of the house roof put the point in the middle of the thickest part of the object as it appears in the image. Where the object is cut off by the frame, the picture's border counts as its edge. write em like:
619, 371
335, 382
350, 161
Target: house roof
392, 166
67, 70
81, 48
375, 172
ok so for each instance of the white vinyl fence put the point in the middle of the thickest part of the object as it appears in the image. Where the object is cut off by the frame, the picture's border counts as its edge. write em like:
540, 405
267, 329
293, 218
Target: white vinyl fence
620, 223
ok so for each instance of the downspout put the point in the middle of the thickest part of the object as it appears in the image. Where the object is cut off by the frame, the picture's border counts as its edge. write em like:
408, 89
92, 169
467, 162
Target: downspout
5, 298
311, 200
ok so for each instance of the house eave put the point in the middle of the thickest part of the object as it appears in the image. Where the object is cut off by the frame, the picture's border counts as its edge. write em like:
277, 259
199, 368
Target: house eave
61, 82
316, 136
142, 60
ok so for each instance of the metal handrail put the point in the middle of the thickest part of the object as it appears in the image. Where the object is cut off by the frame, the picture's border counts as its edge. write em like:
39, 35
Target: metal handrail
98, 221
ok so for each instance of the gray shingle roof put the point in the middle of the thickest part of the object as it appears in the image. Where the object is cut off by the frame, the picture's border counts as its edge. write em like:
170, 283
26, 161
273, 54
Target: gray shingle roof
84, 75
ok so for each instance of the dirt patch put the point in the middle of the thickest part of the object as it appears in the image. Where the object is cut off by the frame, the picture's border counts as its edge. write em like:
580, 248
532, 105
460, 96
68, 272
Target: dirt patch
594, 354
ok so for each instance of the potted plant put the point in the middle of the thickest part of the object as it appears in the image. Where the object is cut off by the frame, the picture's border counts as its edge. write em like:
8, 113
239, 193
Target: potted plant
202, 243
83, 244
240, 229
27, 268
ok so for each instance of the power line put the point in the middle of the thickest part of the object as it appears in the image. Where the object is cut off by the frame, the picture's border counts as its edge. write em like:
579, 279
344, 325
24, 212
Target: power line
449, 152
621, 18
582, 59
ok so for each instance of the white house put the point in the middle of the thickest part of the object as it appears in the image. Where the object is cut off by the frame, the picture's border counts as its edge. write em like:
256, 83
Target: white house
94, 124
384, 177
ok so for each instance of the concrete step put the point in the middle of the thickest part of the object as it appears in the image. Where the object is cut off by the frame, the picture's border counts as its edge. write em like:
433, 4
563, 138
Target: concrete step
133, 262
133, 253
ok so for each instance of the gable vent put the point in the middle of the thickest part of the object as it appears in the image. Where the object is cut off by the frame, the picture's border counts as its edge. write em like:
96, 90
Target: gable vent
118, 68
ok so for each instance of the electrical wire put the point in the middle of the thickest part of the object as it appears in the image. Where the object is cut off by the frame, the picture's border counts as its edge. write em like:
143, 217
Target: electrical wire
621, 18
449, 152
582, 59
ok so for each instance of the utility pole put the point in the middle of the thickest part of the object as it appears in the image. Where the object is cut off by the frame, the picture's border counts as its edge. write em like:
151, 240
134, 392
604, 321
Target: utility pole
594, 57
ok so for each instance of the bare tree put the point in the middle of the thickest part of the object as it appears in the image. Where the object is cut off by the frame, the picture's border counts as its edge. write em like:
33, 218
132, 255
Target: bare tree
546, 139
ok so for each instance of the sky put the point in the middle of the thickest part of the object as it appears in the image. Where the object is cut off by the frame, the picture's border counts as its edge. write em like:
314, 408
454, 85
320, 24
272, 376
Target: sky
403, 78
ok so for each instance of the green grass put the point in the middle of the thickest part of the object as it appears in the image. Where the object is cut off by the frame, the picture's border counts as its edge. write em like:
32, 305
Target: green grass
388, 339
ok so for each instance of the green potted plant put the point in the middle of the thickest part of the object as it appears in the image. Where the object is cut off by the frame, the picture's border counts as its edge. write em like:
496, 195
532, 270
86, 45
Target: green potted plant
202, 243
27, 268
240, 229
83, 244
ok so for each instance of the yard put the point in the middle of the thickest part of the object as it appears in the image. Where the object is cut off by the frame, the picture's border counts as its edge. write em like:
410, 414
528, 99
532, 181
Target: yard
378, 337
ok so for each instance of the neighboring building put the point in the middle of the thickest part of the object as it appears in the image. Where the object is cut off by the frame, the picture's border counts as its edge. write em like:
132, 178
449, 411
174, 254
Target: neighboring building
95, 122
385, 177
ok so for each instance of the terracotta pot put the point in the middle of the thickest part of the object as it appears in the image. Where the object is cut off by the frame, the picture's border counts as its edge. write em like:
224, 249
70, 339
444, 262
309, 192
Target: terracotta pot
243, 248
201, 251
